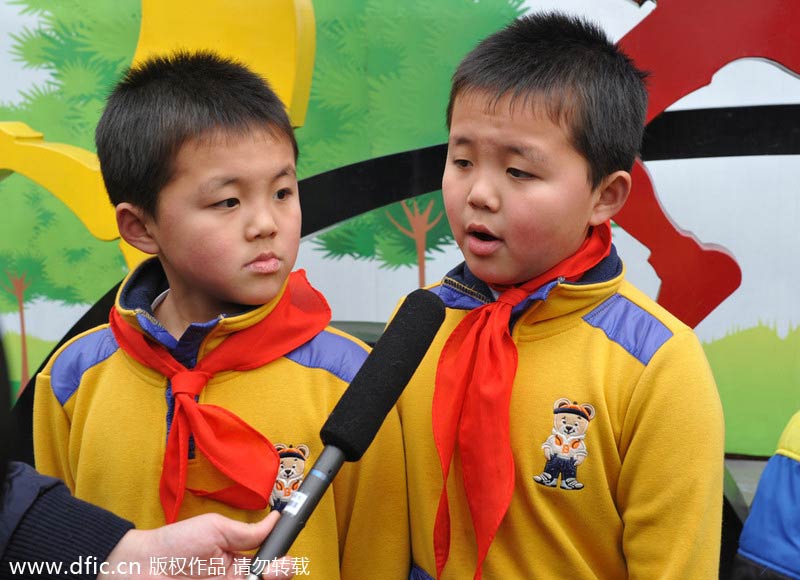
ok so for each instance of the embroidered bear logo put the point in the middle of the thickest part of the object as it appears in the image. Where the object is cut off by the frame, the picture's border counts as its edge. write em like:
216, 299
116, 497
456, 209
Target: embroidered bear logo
565, 449
290, 474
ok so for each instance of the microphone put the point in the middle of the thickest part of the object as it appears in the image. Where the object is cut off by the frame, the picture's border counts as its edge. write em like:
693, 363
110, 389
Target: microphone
359, 413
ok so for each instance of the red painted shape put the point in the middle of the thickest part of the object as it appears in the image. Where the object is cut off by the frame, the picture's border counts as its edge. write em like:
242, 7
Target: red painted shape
695, 277
682, 43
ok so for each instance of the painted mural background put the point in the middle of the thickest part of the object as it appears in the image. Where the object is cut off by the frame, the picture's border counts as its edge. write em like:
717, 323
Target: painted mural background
379, 87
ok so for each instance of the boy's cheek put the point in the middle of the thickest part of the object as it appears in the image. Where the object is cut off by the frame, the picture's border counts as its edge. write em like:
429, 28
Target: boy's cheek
451, 195
452, 210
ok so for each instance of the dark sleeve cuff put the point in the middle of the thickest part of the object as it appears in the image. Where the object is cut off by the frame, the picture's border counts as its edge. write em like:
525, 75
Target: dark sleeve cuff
60, 528
746, 569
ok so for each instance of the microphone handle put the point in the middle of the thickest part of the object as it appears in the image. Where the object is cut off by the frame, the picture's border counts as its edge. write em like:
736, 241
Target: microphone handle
296, 513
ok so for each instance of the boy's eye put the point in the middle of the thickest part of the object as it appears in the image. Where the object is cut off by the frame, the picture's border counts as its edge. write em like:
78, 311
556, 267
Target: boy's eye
463, 163
283, 193
518, 173
230, 202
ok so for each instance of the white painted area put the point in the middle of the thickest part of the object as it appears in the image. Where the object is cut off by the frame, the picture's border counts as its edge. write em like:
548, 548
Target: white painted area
45, 319
15, 78
745, 82
637, 269
751, 206
359, 289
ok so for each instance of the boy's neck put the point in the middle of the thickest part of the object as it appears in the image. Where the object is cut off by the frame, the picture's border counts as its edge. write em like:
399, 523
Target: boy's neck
176, 316
169, 316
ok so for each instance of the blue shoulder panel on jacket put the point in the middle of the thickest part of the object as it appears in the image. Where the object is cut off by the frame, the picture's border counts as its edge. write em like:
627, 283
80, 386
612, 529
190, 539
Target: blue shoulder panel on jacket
630, 326
336, 354
418, 573
460, 299
771, 533
77, 358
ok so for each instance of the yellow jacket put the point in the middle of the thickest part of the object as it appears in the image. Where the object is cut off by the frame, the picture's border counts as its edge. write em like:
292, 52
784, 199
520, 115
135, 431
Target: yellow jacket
651, 459
101, 420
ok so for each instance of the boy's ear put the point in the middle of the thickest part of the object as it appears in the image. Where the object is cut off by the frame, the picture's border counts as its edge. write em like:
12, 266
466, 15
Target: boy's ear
612, 194
134, 227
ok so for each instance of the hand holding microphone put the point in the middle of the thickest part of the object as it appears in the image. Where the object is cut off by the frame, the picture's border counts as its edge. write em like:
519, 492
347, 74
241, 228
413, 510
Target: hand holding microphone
354, 422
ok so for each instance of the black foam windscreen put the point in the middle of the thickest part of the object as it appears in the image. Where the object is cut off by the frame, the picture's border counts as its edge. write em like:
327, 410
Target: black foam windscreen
354, 422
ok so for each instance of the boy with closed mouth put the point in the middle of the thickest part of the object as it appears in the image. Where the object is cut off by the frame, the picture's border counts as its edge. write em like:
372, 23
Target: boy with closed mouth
216, 352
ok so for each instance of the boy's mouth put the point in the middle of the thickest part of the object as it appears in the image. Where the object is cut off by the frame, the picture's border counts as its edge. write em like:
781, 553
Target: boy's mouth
264, 264
481, 242
483, 236
481, 233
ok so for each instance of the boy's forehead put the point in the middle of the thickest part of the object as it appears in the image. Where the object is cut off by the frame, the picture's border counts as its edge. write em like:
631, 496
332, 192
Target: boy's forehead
509, 104
227, 136
272, 143
476, 111
520, 148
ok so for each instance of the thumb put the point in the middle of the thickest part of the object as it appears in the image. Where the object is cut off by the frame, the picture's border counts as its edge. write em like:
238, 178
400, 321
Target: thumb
239, 536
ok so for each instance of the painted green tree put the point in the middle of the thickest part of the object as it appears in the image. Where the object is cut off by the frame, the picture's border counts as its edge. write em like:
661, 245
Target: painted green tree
402, 234
49, 265
381, 85
47, 253
86, 45
422, 221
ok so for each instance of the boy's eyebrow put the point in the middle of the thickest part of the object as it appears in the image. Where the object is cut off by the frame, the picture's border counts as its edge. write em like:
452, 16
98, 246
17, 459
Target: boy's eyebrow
528, 151
215, 183
222, 180
289, 171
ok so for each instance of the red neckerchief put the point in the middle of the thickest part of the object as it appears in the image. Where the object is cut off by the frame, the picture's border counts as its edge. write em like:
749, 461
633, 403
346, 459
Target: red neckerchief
235, 448
472, 397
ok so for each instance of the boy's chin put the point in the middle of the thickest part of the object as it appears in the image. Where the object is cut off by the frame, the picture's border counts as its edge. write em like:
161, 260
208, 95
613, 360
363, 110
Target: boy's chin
253, 302
498, 284
495, 280
240, 304
258, 295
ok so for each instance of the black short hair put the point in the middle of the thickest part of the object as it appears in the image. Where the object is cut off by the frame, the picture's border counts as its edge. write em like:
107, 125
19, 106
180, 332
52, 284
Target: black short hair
568, 66
168, 100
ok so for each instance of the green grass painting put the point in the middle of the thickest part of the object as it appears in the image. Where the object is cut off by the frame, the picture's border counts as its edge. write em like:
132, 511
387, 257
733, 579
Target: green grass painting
756, 372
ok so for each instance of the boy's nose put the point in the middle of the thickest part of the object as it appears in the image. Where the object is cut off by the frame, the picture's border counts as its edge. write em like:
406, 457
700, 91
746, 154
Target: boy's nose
483, 195
261, 224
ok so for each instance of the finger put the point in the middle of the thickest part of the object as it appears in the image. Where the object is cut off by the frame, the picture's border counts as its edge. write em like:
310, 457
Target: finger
240, 536
271, 520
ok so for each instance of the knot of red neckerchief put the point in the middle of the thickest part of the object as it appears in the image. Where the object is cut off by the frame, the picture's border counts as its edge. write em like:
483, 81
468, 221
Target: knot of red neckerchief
189, 382
234, 448
472, 398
